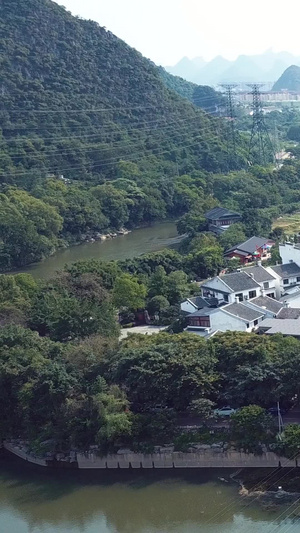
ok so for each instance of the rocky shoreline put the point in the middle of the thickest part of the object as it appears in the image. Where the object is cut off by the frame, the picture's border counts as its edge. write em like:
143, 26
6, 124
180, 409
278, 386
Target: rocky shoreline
270, 488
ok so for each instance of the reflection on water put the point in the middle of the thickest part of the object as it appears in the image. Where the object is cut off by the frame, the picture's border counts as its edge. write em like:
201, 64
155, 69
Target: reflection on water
137, 242
127, 502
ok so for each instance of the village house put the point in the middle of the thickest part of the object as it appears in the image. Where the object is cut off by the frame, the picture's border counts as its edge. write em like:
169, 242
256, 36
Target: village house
229, 288
272, 326
264, 277
270, 307
231, 317
190, 305
219, 219
255, 248
287, 277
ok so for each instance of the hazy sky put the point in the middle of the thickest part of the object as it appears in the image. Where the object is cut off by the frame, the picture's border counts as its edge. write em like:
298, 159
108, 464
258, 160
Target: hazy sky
167, 30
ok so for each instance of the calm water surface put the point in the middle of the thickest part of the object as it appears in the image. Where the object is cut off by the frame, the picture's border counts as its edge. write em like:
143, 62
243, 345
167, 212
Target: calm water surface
140, 241
64, 502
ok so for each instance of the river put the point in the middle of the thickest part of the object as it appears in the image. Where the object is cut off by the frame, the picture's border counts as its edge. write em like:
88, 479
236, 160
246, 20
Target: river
42, 501
150, 239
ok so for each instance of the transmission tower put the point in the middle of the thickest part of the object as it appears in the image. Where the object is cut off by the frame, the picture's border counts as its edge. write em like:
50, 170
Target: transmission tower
260, 147
231, 117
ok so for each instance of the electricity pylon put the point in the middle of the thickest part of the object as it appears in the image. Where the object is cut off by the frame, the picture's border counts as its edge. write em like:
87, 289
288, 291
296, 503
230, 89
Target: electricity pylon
231, 117
261, 147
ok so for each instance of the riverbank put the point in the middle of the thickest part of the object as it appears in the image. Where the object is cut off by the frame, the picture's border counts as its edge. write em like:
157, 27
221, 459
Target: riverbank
140, 241
204, 456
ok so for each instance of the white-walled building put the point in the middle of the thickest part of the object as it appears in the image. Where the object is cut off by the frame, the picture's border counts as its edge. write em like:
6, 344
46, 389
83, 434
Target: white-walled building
238, 286
287, 276
232, 317
264, 277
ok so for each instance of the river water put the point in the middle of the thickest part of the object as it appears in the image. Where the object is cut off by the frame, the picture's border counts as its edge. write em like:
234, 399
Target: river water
150, 239
122, 502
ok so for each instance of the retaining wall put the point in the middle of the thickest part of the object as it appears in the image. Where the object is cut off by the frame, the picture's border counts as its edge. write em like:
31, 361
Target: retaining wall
201, 459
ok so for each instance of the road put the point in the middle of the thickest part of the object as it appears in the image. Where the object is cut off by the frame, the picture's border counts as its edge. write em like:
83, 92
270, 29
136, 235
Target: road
291, 417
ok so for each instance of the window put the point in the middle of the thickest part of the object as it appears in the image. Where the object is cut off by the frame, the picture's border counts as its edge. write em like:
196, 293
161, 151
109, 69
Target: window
266, 285
199, 321
255, 322
272, 295
285, 282
247, 325
240, 296
298, 279
252, 294
226, 299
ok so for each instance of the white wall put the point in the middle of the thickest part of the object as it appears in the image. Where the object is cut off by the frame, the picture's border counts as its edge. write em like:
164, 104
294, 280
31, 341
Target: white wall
289, 253
277, 282
225, 322
216, 284
188, 307
294, 302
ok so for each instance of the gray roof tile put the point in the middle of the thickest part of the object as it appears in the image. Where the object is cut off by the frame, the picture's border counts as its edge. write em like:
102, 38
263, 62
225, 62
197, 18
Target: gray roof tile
268, 303
207, 311
239, 281
242, 311
286, 327
289, 313
287, 270
260, 274
250, 246
201, 302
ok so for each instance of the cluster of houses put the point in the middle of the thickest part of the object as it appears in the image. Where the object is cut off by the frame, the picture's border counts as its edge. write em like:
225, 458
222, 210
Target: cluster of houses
254, 298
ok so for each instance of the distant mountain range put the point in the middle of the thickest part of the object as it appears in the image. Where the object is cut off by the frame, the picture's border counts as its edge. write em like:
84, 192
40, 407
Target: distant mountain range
290, 80
266, 67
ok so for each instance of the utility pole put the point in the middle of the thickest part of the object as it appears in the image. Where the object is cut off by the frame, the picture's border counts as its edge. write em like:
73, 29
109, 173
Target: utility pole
231, 117
280, 421
260, 146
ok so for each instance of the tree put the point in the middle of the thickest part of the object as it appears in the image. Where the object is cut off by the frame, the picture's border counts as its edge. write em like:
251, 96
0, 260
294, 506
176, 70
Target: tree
128, 292
170, 370
252, 426
291, 440
233, 236
157, 304
176, 287
191, 223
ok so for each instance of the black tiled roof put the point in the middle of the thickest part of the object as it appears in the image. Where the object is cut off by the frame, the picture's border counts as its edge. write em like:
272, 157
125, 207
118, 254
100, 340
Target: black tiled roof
220, 212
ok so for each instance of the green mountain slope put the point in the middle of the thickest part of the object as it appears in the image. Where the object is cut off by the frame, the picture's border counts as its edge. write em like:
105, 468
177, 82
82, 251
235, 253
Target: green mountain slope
91, 138
76, 99
200, 95
290, 80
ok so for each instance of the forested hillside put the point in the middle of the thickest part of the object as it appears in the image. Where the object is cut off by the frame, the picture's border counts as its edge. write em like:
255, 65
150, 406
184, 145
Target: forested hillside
76, 99
78, 108
200, 95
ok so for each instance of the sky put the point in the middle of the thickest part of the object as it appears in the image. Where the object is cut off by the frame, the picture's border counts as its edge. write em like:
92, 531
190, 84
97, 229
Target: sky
167, 30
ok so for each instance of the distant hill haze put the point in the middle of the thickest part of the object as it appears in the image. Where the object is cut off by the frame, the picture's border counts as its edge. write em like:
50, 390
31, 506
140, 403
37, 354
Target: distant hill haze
266, 67
289, 80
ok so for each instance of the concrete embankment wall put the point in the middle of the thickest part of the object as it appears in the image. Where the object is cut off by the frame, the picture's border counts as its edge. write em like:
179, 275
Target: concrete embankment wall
23, 455
203, 459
